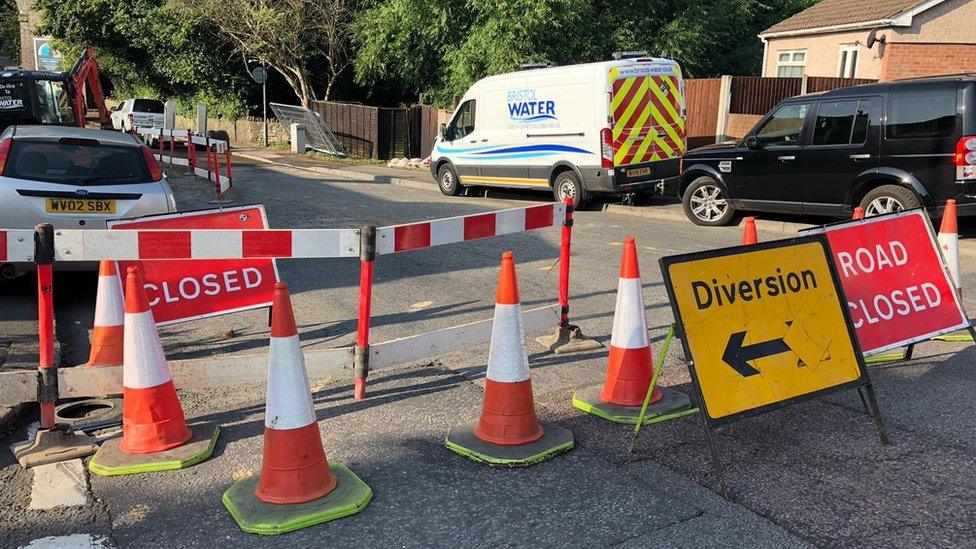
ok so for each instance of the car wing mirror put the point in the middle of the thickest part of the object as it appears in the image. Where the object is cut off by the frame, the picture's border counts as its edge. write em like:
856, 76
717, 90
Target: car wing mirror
443, 131
752, 143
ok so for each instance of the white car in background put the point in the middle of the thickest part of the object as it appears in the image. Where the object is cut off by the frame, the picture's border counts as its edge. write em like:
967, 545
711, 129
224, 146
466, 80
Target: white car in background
76, 178
143, 113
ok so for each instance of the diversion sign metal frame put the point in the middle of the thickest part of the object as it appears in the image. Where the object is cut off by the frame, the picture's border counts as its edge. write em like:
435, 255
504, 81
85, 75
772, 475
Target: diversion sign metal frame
863, 380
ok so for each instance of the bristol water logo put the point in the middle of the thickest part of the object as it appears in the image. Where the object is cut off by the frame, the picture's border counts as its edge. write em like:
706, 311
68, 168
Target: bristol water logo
524, 106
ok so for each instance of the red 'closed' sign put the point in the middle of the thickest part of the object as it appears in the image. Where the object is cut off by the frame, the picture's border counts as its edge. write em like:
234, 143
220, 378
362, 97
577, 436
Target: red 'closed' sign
199, 288
897, 287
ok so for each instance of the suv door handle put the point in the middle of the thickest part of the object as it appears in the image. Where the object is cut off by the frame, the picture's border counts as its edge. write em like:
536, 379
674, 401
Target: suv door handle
786, 158
859, 156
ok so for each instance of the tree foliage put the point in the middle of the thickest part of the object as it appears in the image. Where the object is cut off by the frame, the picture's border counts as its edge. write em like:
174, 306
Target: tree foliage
9, 30
150, 48
439, 47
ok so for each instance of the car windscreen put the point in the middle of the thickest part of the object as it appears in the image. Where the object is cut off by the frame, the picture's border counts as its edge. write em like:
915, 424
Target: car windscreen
12, 96
82, 162
154, 106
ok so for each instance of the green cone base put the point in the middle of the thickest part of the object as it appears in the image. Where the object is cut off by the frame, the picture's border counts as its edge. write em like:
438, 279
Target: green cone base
958, 336
555, 440
350, 496
109, 460
891, 356
672, 404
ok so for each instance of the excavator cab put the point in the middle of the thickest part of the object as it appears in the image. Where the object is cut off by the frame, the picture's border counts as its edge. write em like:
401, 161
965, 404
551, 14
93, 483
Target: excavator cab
52, 98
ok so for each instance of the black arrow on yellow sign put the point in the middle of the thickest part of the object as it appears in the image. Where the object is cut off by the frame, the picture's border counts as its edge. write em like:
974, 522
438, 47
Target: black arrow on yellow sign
738, 356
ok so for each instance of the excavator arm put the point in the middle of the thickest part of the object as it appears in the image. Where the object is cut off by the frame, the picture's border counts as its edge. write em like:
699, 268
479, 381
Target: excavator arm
84, 74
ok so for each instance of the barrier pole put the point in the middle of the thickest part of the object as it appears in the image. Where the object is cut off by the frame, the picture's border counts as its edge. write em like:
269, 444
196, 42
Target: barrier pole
367, 253
206, 151
191, 151
216, 158
230, 178
564, 252
161, 163
47, 370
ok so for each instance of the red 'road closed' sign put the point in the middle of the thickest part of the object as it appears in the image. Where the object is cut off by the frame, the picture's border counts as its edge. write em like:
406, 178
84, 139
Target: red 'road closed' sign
191, 289
897, 287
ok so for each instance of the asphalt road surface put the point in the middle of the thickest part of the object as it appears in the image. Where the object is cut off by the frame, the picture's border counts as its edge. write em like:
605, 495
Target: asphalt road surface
809, 474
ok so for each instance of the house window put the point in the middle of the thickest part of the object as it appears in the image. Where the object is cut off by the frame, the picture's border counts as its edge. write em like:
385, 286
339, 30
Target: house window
847, 61
790, 63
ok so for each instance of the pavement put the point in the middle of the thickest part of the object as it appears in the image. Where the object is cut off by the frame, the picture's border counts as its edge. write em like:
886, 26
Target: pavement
812, 474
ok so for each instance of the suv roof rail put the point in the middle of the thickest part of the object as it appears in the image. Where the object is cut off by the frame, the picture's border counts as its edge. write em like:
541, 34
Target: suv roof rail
633, 54
535, 65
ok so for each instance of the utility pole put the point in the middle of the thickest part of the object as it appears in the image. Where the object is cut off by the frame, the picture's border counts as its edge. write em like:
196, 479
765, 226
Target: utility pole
264, 101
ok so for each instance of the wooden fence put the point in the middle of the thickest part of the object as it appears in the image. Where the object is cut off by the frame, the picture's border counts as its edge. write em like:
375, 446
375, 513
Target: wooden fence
379, 132
701, 103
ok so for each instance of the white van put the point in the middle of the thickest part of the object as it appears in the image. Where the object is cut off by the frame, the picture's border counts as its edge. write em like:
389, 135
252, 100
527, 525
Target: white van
597, 128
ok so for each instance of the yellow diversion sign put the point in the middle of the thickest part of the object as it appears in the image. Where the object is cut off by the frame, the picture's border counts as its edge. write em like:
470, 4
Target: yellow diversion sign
762, 325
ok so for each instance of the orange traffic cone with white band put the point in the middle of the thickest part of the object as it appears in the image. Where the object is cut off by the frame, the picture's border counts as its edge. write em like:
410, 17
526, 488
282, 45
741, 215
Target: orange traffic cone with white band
631, 367
106, 340
508, 432
295, 471
858, 213
155, 436
152, 418
949, 242
749, 231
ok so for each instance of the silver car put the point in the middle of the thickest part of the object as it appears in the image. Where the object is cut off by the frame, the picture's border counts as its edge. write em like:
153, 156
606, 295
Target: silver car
76, 178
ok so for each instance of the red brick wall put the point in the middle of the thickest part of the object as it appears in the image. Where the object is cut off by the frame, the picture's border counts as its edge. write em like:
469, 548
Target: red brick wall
907, 60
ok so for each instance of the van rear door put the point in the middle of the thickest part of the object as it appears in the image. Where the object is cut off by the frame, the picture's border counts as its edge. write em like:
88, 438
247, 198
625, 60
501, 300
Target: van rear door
647, 114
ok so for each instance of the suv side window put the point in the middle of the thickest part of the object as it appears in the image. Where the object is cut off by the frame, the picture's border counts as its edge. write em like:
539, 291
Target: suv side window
920, 115
841, 122
783, 129
463, 122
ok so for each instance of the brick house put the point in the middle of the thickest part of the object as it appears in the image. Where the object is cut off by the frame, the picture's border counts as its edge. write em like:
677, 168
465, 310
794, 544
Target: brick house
879, 39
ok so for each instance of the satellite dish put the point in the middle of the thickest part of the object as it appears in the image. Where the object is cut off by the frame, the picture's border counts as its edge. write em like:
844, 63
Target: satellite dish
873, 38
259, 75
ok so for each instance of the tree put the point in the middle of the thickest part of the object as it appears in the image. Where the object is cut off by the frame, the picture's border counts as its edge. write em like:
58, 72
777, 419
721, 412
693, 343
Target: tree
148, 48
294, 37
10, 30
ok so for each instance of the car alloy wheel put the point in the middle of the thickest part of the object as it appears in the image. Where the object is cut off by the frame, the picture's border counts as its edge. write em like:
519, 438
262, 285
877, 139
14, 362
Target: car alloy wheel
883, 205
708, 203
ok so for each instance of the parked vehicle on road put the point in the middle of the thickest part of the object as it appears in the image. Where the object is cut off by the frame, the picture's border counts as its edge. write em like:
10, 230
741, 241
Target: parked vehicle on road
142, 113
599, 128
885, 147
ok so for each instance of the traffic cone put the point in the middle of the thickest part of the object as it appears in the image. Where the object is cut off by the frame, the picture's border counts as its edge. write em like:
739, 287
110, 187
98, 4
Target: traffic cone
106, 340
508, 432
630, 367
749, 231
155, 436
295, 471
858, 213
949, 242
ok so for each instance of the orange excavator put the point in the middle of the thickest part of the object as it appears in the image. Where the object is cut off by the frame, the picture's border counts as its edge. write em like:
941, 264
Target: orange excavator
53, 98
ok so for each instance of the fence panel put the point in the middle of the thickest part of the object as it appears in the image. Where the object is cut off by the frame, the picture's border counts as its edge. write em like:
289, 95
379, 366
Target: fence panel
701, 100
759, 94
355, 126
826, 83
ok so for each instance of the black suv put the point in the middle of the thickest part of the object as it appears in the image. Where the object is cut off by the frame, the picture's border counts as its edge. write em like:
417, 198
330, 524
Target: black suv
884, 147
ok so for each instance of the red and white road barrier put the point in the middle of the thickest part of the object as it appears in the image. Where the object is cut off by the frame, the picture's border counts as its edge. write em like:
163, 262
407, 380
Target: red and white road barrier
16, 245
87, 245
414, 236
213, 150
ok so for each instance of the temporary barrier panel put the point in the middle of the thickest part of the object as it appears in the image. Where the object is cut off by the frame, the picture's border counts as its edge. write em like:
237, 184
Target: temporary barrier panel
16, 245
763, 325
896, 283
192, 289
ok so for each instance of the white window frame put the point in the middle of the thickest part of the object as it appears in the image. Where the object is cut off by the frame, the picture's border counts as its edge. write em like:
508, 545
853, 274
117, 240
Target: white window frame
846, 69
791, 62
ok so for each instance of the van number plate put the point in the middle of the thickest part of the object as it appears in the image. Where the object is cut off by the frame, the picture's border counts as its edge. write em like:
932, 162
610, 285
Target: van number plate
638, 172
75, 206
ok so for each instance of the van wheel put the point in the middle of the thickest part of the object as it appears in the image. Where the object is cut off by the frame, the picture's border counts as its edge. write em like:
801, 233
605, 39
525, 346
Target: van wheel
447, 181
568, 185
889, 199
706, 203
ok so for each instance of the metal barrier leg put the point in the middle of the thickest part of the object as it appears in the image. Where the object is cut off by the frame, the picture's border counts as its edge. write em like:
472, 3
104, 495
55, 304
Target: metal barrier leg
367, 253
568, 338
52, 442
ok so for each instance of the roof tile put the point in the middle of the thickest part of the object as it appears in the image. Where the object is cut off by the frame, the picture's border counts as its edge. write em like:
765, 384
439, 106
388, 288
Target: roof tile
828, 13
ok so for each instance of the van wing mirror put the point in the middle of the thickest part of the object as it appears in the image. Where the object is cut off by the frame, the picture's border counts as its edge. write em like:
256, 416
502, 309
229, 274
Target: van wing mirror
752, 143
443, 130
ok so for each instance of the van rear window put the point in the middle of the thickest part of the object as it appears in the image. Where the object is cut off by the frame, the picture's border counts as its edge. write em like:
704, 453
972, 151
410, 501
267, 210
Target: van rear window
12, 95
85, 164
921, 116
